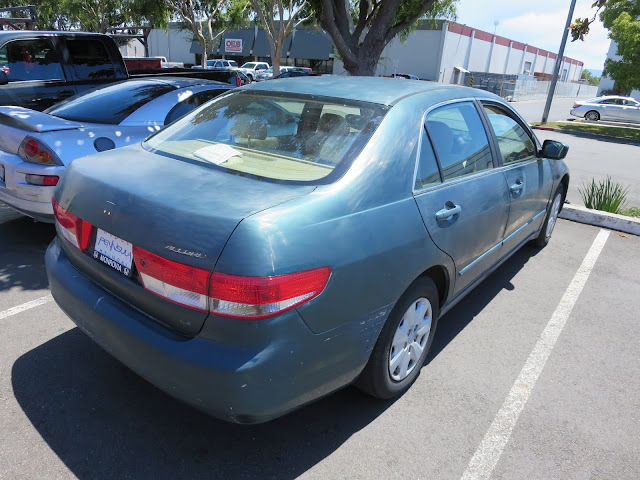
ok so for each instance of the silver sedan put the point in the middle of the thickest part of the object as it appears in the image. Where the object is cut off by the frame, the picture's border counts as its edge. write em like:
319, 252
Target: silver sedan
36, 147
621, 109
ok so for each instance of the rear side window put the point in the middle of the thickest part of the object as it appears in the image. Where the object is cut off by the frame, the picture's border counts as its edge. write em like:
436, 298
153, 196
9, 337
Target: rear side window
459, 139
90, 59
112, 104
185, 106
428, 173
30, 60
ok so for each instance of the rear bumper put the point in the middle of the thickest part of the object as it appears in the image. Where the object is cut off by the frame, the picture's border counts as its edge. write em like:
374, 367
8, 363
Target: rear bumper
251, 380
31, 200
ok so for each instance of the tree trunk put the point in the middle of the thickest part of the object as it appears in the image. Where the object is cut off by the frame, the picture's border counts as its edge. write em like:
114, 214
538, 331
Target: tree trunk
366, 61
204, 55
276, 55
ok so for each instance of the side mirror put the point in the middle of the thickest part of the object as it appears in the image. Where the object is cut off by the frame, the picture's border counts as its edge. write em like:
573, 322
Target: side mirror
554, 150
3, 77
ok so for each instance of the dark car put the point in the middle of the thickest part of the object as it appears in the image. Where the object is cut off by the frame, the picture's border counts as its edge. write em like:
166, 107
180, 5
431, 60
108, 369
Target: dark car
296, 73
295, 236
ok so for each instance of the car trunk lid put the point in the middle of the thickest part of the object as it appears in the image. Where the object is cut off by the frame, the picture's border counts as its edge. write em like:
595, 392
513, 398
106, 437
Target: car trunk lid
179, 211
17, 122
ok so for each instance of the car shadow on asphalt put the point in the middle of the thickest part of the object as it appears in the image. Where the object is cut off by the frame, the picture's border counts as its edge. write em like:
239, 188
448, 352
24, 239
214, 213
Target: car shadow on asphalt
103, 421
456, 319
23, 243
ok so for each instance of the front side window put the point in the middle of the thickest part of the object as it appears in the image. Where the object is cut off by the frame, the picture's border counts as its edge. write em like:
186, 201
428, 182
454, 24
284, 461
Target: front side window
459, 139
112, 104
34, 59
514, 142
90, 59
274, 137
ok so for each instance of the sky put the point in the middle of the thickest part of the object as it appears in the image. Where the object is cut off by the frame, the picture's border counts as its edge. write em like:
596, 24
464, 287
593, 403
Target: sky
539, 24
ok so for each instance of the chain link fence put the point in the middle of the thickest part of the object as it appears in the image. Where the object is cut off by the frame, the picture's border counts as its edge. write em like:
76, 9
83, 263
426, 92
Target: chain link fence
516, 88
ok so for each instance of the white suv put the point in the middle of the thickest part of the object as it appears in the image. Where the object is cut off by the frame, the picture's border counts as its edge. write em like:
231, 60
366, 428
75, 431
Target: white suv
251, 69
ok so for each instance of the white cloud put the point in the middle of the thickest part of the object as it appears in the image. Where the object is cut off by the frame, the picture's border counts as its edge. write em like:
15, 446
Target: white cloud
540, 28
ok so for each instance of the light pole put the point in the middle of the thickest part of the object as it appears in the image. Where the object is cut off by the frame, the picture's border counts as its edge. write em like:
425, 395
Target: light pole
556, 67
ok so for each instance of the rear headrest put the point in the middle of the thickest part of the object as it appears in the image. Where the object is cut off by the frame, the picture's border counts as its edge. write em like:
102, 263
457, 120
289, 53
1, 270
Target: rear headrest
333, 124
248, 126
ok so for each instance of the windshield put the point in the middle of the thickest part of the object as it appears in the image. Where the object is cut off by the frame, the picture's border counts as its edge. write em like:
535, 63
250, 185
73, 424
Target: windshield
249, 65
112, 104
272, 137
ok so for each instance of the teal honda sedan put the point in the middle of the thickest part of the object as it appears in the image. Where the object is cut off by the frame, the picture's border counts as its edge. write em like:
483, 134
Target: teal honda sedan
292, 237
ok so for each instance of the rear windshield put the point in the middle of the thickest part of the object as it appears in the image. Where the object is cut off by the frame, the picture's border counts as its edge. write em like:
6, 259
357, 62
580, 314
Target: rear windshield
112, 104
285, 138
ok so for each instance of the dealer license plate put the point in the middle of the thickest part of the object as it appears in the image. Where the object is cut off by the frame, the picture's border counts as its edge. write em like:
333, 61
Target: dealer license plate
1, 173
113, 251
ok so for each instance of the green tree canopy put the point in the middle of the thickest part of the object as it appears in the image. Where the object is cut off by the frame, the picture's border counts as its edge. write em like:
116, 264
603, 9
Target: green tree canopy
622, 18
95, 15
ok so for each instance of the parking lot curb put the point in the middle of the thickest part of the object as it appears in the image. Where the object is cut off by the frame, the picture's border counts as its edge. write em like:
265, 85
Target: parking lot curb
612, 221
593, 136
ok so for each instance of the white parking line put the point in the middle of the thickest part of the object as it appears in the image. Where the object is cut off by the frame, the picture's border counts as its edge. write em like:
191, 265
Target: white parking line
488, 453
26, 306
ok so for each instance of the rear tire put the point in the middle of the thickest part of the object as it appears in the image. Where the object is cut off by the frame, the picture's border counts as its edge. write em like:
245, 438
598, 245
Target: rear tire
592, 115
404, 342
550, 220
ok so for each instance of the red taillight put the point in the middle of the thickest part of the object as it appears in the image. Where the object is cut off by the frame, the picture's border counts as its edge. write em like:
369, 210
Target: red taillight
72, 228
36, 151
249, 298
42, 180
576, 105
174, 281
262, 297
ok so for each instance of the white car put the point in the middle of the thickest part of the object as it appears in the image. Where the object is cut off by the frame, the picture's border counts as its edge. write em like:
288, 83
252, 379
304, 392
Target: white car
621, 109
252, 69
36, 147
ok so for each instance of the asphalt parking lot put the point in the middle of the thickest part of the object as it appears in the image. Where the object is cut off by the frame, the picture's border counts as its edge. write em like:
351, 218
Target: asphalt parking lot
535, 375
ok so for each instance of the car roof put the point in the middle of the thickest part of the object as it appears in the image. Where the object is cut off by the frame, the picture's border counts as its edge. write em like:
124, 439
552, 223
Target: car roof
10, 34
613, 96
178, 82
385, 91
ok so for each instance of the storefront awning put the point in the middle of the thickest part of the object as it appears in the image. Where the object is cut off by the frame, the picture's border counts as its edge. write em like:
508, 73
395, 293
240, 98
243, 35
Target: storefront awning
237, 42
196, 48
460, 69
262, 49
311, 45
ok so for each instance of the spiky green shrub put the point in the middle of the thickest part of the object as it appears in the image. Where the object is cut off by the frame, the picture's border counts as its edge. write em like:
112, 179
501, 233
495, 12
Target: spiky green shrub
605, 195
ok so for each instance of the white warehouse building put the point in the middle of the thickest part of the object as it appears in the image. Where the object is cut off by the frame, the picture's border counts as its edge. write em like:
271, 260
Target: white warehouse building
607, 83
438, 50
443, 51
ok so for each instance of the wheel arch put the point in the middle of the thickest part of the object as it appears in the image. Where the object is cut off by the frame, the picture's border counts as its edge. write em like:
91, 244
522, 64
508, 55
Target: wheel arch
564, 181
440, 277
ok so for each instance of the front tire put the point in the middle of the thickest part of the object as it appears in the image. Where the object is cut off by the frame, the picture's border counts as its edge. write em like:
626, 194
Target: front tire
592, 115
404, 342
550, 220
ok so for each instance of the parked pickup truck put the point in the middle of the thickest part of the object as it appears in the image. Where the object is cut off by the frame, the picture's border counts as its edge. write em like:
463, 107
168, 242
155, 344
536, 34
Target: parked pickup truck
39, 69
252, 69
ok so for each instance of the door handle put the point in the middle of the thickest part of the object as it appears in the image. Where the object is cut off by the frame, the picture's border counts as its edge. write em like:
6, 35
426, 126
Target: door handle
517, 187
450, 209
